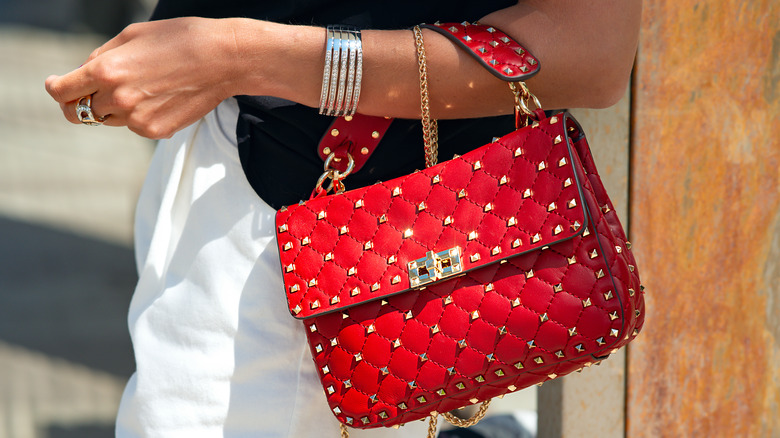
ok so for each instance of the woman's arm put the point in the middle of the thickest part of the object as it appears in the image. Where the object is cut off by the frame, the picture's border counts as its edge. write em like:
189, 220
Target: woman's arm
160, 76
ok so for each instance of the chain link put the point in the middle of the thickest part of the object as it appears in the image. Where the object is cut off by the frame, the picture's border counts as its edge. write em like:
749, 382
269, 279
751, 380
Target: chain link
459, 422
430, 126
522, 96
432, 425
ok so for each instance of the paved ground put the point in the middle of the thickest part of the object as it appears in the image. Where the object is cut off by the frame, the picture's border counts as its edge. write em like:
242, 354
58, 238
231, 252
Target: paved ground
66, 268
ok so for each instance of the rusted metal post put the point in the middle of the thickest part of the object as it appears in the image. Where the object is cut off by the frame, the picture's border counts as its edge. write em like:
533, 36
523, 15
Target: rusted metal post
706, 220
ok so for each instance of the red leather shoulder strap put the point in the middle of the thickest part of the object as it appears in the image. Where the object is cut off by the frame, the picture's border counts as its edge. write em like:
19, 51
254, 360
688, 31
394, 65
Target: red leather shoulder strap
357, 136
495, 50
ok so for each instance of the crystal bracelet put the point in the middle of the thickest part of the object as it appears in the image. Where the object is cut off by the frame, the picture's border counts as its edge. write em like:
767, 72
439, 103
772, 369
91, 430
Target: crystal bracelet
343, 71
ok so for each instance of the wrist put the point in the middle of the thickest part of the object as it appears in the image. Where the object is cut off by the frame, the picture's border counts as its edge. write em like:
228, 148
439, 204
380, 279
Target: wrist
272, 59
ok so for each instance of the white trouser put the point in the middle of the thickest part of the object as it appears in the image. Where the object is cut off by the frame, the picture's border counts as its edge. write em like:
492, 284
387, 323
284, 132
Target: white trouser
217, 352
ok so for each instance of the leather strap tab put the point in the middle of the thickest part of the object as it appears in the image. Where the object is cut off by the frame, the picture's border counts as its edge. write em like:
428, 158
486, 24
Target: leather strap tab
495, 50
357, 136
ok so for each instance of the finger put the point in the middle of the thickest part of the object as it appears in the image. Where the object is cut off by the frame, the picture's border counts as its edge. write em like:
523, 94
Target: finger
69, 87
69, 110
108, 45
102, 106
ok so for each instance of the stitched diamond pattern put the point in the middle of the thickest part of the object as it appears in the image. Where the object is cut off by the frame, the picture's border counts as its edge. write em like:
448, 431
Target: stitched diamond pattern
566, 296
495, 50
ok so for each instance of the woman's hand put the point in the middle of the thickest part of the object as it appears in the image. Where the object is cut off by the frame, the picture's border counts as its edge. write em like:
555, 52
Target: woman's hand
155, 78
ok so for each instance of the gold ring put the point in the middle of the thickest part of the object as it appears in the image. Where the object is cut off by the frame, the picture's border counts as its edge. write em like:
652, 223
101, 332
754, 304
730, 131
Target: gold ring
85, 114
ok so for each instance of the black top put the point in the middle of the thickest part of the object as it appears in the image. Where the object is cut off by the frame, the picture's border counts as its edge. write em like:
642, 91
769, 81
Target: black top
277, 139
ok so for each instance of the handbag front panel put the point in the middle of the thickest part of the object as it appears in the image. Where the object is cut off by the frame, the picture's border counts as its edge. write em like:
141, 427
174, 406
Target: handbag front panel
505, 326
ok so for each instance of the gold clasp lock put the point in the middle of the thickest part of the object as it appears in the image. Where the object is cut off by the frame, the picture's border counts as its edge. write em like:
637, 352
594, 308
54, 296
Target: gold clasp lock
435, 266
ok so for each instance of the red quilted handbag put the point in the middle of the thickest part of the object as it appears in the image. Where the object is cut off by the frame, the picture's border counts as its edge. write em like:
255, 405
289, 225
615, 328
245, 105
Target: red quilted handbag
488, 273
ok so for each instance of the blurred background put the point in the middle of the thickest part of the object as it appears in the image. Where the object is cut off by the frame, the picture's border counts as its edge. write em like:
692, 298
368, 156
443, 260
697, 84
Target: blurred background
66, 205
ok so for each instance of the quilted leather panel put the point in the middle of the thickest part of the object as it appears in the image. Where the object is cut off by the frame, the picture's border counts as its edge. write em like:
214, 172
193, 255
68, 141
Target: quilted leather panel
539, 315
514, 195
495, 50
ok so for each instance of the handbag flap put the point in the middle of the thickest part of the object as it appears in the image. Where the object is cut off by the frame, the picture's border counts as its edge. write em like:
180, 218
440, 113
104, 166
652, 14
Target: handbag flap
519, 193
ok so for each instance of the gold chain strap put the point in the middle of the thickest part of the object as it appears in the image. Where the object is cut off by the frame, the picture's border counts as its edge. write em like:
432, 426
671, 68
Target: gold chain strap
432, 425
459, 422
430, 127
522, 96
